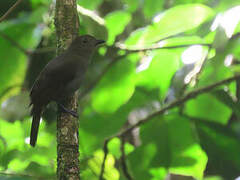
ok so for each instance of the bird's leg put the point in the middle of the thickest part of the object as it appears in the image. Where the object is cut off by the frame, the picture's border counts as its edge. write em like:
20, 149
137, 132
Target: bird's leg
64, 109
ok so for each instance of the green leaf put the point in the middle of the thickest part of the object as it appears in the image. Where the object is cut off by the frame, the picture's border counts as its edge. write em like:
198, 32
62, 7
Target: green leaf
133, 38
89, 4
168, 142
114, 147
116, 23
152, 7
131, 5
222, 147
173, 21
36, 3
115, 88
95, 127
184, 40
17, 165
213, 178
225, 98
110, 172
13, 134
215, 70
223, 5
159, 73
13, 61
207, 107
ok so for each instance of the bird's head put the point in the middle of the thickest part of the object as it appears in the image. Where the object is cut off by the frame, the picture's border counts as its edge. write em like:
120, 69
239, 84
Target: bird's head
85, 44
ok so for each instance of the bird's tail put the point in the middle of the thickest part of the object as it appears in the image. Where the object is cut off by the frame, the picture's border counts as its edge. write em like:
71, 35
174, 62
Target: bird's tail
36, 113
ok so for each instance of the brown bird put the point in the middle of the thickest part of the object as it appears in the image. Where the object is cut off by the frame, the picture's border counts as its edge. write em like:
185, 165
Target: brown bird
60, 78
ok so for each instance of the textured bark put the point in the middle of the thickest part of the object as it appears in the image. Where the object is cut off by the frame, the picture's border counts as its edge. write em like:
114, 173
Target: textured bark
67, 24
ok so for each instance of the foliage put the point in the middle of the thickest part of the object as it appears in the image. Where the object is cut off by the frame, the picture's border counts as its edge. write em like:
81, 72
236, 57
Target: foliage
199, 138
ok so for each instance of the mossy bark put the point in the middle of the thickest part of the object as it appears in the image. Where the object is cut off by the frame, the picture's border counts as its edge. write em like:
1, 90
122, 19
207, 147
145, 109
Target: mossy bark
67, 25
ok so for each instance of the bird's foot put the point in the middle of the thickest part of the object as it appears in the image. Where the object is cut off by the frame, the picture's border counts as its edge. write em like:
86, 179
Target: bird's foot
64, 109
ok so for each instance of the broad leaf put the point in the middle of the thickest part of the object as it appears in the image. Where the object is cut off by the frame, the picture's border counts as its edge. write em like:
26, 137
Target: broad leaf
115, 88
168, 143
207, 107
116, 23
175, 20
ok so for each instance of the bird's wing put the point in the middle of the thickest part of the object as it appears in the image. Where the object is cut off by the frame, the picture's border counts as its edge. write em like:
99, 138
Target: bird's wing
51, 80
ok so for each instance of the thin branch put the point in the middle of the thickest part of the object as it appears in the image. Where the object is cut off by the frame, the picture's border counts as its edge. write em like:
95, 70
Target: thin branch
234, 117
42, 50
128, 51
105, 149
14, 43
10, 10
26, 51
123, 160
93, 15
156, 46
190, 95
21, 175
235, 36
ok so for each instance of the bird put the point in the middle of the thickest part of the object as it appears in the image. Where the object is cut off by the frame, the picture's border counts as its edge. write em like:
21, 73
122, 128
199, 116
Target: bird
60, 78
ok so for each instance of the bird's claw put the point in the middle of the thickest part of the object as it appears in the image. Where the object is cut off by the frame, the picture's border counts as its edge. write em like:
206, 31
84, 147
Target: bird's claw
64, 109
73, 113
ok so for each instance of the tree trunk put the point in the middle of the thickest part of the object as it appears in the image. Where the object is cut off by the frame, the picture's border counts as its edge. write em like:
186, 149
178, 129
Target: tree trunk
67, 24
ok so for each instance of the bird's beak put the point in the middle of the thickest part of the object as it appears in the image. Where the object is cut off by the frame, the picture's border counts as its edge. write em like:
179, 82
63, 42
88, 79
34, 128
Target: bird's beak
99, 42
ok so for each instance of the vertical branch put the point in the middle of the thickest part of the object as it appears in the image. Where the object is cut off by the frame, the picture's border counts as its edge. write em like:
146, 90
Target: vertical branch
67, 24
123, 160
105, 149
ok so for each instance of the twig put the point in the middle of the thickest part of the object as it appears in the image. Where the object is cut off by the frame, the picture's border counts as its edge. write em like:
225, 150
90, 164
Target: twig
156, 46
14, 43
10, 10
123, 160
233, 117
105, 149
128, 51
90, 14
41, 50
21, 175
188, 96
26, 51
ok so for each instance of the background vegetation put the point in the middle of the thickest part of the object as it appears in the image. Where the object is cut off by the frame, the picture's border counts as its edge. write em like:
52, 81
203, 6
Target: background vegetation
157, 51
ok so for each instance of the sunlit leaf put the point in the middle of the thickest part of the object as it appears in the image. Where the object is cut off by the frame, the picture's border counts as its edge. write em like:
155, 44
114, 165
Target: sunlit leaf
158, 73
115, 88
13, 134
95, 163
89, 4
168, 142
132, 5
116, 23
114, 147
152, 7
173, 21
226, 98
207, 107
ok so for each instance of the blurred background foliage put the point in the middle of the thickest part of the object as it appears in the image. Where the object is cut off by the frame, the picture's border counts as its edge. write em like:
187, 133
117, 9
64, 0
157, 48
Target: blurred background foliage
197, 140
